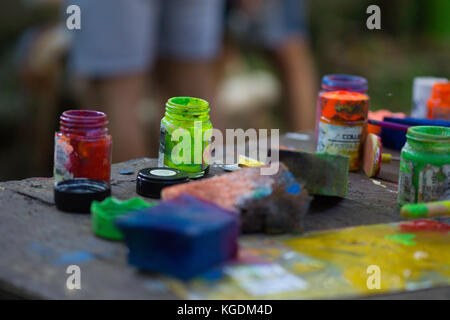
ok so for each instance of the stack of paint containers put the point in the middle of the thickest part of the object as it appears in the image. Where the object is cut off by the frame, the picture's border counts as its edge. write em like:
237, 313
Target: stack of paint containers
342, 114
82, 163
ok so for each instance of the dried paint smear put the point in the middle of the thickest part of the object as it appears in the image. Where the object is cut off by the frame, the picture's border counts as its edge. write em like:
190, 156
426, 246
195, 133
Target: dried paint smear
330, 264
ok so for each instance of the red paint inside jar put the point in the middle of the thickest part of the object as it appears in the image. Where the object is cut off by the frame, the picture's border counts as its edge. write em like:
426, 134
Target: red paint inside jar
83, 146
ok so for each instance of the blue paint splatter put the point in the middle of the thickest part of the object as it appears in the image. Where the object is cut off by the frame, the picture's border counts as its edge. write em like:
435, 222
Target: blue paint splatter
71, 257
41, 250
213, 274
74, 257
262, 192
293, 189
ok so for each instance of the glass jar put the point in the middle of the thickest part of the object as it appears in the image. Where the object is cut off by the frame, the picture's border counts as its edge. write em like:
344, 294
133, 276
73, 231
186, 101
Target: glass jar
439, 102
338, 82
82, 146
343, 124
185, 140
425, 165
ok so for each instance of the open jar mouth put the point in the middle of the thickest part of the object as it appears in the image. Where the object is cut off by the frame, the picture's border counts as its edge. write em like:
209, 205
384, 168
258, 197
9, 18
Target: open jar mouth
83, 123
187, 108
429, 134
344, 82
187, 104
88, 119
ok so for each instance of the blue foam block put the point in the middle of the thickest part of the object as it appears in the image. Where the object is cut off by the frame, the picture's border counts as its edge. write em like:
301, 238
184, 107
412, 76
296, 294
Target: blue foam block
182, 237
396, 139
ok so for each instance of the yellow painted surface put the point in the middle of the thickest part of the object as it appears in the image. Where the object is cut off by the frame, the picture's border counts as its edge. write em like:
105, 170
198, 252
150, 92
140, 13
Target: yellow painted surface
329, 264
353, 250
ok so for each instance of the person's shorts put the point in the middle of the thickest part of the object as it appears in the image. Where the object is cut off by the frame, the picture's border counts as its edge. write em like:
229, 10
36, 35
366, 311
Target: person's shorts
274, 22
125, 36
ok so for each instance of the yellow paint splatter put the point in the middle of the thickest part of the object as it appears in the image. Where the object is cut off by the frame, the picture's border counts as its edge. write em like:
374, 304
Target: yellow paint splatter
353, 250
378, 183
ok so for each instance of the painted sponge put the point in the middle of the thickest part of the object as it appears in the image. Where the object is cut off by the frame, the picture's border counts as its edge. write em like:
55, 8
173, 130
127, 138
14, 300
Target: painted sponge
182, 237
266, 203
322, 173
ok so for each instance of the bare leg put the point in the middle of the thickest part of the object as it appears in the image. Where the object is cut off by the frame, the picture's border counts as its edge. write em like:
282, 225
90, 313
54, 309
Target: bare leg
118, 97
299, 76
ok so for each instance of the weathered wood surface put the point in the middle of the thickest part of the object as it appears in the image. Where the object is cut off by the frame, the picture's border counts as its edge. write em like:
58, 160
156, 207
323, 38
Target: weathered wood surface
37, 242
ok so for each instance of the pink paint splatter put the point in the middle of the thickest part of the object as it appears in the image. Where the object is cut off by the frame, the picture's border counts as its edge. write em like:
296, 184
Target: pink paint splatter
425, 225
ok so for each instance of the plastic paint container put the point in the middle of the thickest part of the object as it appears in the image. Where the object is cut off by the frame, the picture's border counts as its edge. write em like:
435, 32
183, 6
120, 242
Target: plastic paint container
343, 124
150, 181
439, 102
103, 215
396, 139
425, 165
82, 146
422, 87
339, 82
185, 137
77, 195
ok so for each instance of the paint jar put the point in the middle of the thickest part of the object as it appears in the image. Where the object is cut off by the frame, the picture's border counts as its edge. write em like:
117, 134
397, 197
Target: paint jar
339, 82
185, 139
439, 102
82, 146
425, 165
422, 87
343, 124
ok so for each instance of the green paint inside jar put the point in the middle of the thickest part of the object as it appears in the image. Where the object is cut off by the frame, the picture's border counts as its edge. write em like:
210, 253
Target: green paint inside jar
425, 165
185, 137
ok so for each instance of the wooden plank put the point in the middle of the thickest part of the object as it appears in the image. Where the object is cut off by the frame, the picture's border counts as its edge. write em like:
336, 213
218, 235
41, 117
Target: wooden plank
38, 242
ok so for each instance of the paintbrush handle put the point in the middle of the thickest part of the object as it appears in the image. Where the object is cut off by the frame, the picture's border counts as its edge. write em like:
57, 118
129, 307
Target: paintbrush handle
425, 210
390, 125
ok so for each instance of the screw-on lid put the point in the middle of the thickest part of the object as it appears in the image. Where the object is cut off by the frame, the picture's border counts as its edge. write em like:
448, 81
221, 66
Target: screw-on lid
151, 181
76, 195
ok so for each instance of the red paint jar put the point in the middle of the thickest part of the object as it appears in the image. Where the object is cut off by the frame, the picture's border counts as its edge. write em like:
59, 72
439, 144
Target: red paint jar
82, 146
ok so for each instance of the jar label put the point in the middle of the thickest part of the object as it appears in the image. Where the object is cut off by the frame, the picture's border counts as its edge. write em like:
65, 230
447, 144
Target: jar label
433, 183
406, 189
62, 164
339, 139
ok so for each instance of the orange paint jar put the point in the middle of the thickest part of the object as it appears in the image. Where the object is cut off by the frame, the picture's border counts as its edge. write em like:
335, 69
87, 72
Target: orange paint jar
439, 102
343, 124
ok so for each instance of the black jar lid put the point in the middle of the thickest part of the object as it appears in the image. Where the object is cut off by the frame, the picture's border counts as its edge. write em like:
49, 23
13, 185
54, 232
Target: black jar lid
151, 181
76, 195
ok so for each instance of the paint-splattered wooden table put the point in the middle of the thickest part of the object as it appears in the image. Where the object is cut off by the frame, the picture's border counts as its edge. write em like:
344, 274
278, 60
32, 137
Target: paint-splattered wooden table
37, 242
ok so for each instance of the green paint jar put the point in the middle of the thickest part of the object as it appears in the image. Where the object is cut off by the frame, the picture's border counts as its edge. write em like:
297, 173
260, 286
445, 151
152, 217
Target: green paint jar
425, 165
185, 140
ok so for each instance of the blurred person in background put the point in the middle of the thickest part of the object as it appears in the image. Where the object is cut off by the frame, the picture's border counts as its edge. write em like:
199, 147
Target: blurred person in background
118, 44
279, 26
